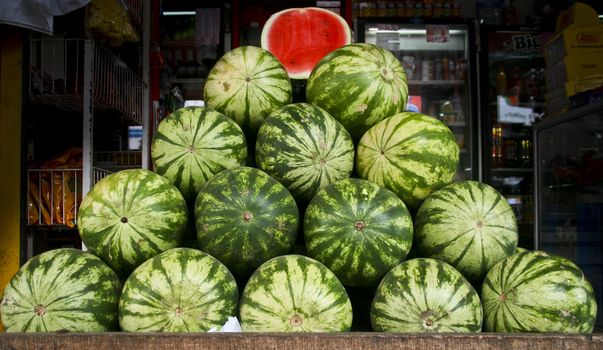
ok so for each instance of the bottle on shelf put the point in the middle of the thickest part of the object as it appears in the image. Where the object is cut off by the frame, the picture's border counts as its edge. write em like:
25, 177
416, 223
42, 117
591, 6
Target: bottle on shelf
501, 81
514, 85
461, 68
457, 105
496, 145
452, 68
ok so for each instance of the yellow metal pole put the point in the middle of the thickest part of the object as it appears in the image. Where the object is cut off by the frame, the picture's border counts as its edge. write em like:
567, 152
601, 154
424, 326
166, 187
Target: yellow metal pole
11, 63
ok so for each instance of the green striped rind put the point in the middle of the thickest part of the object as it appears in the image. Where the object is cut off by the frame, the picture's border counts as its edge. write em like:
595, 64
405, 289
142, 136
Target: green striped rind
520, 250
72, 291
294, 293
536, 292
304, 148
195, 143
411, 154
180, 290
425, 295
130, 216
247, 84
245, 217
358, 230
359, 85
467, 224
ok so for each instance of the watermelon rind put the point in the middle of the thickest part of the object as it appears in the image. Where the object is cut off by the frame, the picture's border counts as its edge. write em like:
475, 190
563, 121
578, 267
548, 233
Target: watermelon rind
411, 154
426, 295
311, 39
130, 216
63, 289
534, 291
305, 149
359, 85
294, 293
179, 290
358, 230
193, 144
467, 224
247, 84
244, 217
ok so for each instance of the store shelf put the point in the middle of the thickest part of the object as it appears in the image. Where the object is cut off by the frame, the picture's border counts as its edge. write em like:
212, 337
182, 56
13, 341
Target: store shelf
457, 124
57, 69
437, 83
512, 170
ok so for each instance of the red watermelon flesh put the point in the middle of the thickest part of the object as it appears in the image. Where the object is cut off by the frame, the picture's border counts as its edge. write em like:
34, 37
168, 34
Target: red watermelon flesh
300, 37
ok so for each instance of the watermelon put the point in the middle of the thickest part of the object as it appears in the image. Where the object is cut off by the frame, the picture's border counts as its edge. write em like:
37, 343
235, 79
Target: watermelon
304, 148
467, 224
359, 85
294, 293
536, 292
179, 290
193, 144
411, 154
62, 290
300, 37
244, 218
247, 84
425, 295
358, 230
520, 250
130, 216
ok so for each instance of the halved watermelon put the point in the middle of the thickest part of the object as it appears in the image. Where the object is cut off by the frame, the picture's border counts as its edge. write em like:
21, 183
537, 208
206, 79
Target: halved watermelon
300, 37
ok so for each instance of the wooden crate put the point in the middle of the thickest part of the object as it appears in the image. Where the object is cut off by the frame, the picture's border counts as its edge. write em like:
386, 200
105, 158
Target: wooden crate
314, 341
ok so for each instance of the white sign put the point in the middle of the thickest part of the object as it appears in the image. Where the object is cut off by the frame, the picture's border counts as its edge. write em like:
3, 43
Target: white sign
514, 114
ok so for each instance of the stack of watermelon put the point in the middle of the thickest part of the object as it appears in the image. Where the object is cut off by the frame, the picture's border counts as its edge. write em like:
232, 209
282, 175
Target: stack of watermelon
296, 207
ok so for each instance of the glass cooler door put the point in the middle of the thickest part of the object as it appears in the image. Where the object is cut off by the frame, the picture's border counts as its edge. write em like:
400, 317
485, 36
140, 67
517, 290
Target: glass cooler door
569, 191
439, 68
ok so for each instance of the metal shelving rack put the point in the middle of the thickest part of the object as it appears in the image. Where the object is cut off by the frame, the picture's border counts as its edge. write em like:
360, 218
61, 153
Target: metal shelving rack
80, 75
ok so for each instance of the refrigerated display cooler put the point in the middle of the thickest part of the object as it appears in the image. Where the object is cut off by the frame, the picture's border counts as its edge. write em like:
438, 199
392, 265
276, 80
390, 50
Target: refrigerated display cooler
440, 69
512, 92
569, 191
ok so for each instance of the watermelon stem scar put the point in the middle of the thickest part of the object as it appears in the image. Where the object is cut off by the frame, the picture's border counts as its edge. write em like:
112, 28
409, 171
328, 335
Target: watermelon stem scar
359, 225
124, 220
296, 321
40, 310
247, 216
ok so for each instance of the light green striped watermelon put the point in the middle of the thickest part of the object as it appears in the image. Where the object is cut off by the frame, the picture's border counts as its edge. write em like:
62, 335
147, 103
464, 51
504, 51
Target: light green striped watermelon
244, 218
247, 84
304, 148
425, 295
62, 290
467, 224
130, 216
180, 290
536, 292
195, 143
359, 85
294, 293
358, 230
411, 154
